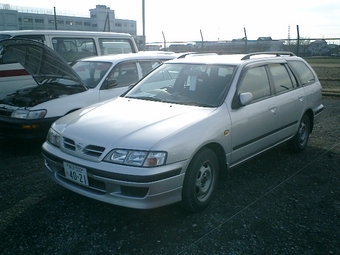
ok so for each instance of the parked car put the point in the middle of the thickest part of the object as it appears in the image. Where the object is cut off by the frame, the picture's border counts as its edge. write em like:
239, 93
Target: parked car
29, 111
71, 45
167, 141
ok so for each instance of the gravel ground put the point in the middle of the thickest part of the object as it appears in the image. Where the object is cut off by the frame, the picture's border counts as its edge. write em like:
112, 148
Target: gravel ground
277, 203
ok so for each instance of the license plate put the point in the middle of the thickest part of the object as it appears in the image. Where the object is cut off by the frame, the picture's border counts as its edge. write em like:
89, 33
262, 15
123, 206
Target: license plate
76, 173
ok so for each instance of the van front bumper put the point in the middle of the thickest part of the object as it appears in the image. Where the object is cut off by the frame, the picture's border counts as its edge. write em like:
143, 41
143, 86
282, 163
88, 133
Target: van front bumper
25, 129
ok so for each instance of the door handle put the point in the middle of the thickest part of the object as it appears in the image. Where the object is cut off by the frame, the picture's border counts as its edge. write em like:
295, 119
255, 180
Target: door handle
273, 109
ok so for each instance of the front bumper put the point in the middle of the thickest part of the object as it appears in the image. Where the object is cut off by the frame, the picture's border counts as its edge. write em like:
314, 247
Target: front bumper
25, 129
115, 187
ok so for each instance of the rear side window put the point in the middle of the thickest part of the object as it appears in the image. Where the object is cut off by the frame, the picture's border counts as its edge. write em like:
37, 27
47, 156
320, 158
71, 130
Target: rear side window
281, 78
148, 66
304, 73
114, 46
72, 49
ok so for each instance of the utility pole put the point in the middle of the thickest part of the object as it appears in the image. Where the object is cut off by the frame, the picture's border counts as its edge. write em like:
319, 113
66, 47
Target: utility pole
164, 47
143, 17
298, 40
55, 19
202, 39
107, 22
245, 41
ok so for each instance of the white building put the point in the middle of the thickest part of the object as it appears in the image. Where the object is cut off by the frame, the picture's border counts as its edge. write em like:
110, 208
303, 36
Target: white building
102, 18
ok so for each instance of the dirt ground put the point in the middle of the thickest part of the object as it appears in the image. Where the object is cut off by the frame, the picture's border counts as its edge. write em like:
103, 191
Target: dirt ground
328, 73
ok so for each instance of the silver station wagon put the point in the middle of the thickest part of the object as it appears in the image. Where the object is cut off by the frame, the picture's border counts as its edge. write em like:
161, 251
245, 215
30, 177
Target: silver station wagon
167, 140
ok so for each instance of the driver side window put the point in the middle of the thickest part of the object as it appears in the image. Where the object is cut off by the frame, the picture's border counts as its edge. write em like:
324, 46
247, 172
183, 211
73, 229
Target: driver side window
255, 81
125, 74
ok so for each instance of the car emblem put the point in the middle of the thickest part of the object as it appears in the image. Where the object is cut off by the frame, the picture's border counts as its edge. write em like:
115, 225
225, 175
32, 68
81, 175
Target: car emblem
80, 146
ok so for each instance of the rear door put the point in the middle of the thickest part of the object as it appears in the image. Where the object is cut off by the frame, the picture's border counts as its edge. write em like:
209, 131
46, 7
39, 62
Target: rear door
289, 98
310, 84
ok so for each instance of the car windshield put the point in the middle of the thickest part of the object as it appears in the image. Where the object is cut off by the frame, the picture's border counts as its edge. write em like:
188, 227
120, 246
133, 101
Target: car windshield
190, 84
91, 72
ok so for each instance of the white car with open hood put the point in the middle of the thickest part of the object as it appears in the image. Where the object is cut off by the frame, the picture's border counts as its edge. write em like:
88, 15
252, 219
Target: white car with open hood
167, 140
27, 110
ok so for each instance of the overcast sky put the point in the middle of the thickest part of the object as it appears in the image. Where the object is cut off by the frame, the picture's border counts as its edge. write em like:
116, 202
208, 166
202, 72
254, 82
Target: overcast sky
182, 20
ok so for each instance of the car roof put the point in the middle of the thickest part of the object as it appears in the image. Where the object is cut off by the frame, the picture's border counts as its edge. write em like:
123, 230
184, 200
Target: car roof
142, 55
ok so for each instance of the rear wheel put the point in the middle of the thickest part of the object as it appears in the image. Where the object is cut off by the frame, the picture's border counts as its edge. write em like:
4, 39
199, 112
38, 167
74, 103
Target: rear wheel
200, 181
299, 141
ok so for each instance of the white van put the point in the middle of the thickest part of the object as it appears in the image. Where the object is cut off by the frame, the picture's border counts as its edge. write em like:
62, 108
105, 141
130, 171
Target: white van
71, 45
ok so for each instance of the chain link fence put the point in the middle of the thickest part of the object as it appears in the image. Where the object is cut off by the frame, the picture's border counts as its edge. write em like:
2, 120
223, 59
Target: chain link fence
300, 47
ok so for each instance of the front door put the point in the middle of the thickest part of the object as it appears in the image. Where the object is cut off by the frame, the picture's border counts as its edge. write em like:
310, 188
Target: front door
254, 125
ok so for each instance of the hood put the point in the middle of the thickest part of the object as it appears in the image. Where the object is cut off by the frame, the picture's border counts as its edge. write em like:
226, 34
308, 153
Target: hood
40, 61
128, 123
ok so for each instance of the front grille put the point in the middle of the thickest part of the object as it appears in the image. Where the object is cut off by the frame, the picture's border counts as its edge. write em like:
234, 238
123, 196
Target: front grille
5, 112
69, 144
90, 150
93, 151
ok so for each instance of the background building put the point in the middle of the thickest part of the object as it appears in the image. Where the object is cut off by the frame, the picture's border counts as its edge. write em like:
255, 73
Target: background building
102, 18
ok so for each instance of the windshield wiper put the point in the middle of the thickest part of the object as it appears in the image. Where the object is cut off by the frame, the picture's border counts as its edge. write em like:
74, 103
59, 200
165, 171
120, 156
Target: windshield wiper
148, 98
193, 103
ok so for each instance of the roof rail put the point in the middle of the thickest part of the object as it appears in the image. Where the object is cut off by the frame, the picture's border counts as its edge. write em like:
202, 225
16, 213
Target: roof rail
192, 54
276, 53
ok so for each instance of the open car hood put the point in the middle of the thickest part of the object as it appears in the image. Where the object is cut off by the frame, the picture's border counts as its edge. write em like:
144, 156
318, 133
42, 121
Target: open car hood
38, 59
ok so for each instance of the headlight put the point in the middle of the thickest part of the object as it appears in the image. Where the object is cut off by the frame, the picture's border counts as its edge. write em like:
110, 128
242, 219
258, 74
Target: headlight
137, 158
53, 137
27, 114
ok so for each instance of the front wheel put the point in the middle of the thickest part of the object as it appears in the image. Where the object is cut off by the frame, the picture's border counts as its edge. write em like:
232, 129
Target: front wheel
299, 141
200, 181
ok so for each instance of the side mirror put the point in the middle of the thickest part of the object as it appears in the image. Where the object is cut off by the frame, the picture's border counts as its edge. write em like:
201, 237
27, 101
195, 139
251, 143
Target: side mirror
109, 84
245, 98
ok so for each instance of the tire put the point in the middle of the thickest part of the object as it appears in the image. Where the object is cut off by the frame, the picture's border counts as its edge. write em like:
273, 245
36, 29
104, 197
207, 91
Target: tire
299, 142
200, 181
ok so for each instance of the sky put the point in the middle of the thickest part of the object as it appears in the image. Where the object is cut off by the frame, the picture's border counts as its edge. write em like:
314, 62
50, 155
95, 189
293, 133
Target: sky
190, 20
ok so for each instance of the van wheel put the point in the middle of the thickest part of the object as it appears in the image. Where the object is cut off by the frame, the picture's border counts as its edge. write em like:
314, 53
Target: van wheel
299, 141
200, 181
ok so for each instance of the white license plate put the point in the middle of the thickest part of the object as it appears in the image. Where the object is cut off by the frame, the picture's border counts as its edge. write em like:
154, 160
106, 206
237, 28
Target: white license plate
76, 173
